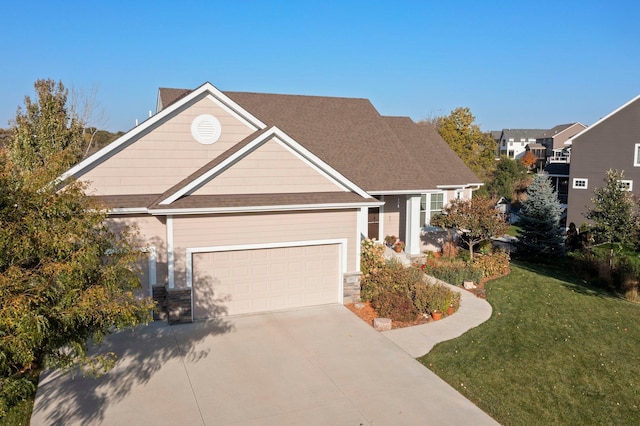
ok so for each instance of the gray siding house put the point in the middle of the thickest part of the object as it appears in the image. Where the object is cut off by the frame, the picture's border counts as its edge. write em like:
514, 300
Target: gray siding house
613, 142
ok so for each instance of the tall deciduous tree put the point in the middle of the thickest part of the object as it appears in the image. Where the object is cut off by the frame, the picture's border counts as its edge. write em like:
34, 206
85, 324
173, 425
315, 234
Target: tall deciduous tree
540, 236
613, 211
475, 148
476, 220
65, 278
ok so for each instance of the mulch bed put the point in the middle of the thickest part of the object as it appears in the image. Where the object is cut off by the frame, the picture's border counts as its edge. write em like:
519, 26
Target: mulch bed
368, 313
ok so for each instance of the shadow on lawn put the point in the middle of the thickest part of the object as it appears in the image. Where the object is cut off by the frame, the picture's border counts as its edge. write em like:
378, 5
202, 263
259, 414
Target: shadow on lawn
562, 270
142, 352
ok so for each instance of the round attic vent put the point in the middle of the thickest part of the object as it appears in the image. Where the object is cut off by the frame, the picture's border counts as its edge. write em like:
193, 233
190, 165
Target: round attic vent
206, 129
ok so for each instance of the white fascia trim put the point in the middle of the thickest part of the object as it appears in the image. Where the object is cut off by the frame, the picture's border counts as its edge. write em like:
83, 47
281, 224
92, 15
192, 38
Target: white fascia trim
570, 140
206, 87
128, 210
427, 191
256, 209
341, 241
170, 257
319, 165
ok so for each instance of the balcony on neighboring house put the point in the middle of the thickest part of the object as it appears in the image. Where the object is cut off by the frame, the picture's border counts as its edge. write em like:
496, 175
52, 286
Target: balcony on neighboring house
560, 156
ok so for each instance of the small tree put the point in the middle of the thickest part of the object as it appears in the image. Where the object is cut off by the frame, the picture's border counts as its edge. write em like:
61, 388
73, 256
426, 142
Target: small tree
476, 220
529, 160
540, 234
613, 211
507, 178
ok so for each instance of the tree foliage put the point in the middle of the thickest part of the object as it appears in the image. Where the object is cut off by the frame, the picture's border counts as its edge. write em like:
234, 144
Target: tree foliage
66, 280
540, 236
613, 211
476, 220
507, 179
529, 160
45, 128
475, 148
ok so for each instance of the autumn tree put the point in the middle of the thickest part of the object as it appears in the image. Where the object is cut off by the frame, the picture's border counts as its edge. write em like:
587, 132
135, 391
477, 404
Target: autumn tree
66, 279
613, 211
476, 220
475, 148
529, 160
540, 235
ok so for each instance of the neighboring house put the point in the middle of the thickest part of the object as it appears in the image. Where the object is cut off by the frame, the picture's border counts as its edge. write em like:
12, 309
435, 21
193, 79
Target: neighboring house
613, 142
251, 202
554, 139
513, 142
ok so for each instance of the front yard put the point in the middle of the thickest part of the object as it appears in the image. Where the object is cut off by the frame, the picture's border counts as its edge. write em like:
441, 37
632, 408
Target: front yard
554, 352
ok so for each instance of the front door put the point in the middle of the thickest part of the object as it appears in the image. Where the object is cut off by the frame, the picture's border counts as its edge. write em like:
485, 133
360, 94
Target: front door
374, 223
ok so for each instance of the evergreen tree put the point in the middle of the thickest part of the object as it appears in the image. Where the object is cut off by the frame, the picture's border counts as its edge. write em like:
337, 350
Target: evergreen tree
540, 236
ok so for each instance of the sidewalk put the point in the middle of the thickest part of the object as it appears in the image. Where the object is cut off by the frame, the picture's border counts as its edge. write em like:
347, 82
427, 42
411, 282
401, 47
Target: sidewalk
419, 340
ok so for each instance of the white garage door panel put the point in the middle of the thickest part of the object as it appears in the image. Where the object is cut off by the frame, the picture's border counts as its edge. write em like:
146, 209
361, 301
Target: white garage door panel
260, 280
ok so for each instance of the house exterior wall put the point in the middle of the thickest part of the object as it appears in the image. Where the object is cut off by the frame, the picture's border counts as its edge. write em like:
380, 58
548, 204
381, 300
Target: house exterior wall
153, 234
607, 145
165, 155
262, 228
562, 137
271, 168
391, 218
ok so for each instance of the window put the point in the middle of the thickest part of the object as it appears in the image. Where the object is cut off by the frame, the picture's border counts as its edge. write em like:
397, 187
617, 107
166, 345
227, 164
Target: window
430, 204
579, 183
636, 155
627, 185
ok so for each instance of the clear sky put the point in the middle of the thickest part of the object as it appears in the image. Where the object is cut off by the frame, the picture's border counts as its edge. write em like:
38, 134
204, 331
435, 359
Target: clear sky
516, 64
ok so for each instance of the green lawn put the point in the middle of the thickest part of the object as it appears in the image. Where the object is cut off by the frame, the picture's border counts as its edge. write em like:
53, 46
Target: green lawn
553, 352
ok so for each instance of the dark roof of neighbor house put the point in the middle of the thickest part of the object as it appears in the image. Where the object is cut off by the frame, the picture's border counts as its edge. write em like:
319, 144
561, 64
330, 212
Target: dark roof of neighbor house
376, 153
518, 134
554, 130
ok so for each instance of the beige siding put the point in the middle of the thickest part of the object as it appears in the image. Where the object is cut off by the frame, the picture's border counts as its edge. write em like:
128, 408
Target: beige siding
166, 155
391, 215
270, 168
224, 230
152, 233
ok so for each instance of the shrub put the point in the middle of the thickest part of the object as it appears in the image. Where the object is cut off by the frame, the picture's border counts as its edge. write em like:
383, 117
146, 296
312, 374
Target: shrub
396, 305
449, 250
492, 265
453, 272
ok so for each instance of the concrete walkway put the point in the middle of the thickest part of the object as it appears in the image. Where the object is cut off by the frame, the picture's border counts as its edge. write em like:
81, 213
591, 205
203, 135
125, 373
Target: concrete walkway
419, 340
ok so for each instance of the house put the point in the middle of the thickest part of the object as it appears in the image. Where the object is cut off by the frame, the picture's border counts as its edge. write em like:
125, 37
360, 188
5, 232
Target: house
513, 142
610, 143
250, 202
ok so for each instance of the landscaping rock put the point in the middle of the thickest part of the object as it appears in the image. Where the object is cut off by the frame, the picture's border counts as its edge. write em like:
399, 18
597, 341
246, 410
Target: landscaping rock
469, 285
359, 305
382, 324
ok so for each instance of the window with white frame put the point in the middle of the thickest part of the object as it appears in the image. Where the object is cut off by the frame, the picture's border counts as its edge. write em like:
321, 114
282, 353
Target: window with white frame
580, 183
627, 185
636, 155
430, 204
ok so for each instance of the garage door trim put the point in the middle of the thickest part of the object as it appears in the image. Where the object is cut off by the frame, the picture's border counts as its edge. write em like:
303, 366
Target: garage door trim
341, 242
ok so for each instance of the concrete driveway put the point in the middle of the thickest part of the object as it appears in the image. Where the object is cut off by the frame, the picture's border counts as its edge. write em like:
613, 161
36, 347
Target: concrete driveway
315, 366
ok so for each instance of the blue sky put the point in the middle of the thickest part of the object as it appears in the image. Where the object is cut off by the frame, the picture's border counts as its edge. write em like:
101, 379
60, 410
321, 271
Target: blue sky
529, 64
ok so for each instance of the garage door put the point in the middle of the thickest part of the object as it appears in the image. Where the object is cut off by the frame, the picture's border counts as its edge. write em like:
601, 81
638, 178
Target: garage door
260, 280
